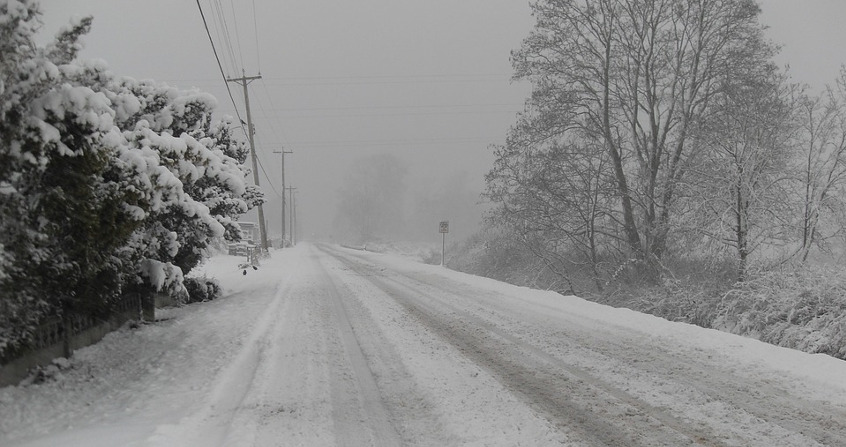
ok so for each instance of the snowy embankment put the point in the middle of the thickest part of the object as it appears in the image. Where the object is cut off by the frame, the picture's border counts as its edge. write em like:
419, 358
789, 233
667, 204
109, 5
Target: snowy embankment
737, 350
745, 391
327, 346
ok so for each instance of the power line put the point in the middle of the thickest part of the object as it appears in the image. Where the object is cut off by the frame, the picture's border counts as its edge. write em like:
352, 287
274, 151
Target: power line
261, 166
255, 31
218, 28
222, 29
382, 111
275, 115
237, 35
272, 186
222, 74
401, 76
232, 98
376, 79
395, 142
228, 34
401, 114
314, 83
240, 54
412, 106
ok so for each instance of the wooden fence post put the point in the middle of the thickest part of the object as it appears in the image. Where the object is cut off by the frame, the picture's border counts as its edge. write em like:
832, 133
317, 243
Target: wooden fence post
67, 333
148, 307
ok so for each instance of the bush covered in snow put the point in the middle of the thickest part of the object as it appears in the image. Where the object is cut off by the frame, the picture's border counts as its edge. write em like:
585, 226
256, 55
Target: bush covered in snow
202, 289
800, 308
107, 184
794, 306
494, 254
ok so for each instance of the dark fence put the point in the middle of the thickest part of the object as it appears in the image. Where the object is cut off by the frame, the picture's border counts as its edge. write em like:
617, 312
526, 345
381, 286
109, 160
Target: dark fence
58, 337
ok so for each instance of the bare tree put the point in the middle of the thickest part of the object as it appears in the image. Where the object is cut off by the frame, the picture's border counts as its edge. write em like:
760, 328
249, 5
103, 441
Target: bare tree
743, 181
633, 77
558, 199
821, 161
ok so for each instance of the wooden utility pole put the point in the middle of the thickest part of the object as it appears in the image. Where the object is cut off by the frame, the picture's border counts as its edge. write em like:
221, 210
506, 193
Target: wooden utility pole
243, 81
294, 230
291, 220
443, 228
282, 153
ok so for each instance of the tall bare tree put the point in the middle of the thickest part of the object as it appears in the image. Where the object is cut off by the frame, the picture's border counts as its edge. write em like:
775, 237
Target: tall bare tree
558, 199
741, 187
821, 162
633, 77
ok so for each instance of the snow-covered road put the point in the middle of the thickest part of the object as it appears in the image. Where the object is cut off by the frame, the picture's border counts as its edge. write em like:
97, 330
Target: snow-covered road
329, 346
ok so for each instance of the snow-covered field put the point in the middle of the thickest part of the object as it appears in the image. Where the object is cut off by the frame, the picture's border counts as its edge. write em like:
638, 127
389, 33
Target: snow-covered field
328, 346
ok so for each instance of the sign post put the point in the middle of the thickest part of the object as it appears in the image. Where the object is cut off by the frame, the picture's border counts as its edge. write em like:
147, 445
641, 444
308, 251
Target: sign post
443, 229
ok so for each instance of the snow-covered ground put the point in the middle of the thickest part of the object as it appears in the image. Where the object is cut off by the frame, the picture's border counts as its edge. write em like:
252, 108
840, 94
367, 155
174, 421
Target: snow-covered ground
329, 346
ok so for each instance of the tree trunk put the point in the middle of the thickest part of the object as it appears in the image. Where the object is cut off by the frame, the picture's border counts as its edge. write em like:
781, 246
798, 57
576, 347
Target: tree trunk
630, 227
148, 306
67, 328
742, 234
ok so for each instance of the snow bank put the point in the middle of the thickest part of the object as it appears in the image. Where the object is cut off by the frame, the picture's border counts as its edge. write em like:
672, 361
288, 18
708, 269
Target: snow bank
819, 369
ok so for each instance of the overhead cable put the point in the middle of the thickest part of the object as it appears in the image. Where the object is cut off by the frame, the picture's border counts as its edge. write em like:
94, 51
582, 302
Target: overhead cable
222, 74
237, 35
255, 30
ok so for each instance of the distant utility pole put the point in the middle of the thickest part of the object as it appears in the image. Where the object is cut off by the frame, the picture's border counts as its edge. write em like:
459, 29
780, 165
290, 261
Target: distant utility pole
443, 228
295, 231
243, 81
291, 220
282, 153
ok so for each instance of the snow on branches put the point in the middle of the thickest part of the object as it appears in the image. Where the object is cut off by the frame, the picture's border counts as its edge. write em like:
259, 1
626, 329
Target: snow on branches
107, 184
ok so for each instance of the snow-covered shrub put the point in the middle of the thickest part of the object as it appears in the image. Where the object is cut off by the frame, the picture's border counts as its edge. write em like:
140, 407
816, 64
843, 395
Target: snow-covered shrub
501, 256
689, 290
202, 289
107, 185
800, 308
62, 218
53, 371
201, 173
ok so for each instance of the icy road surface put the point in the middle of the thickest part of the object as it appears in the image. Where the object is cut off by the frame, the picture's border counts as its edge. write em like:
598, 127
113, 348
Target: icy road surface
326, 346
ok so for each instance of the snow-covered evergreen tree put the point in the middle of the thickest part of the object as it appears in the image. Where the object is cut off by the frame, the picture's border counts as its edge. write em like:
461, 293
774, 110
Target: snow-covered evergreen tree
207, 167
63, 218
105, 183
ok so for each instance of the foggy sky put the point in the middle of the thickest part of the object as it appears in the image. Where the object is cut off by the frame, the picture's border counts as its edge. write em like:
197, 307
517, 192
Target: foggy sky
428, 81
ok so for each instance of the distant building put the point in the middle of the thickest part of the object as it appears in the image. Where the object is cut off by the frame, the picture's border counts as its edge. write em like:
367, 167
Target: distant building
249, 232
249, 238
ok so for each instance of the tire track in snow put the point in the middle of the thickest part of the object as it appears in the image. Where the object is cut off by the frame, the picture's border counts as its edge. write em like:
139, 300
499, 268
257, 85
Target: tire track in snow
808, 421
743, 408
569, 396
437, 395
729, 394
290, 401
214, 424
348, 423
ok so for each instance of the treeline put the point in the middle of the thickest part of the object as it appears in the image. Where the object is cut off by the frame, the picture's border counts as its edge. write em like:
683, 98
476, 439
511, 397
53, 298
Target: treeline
377, 204
661, 144
662, 128
107, 185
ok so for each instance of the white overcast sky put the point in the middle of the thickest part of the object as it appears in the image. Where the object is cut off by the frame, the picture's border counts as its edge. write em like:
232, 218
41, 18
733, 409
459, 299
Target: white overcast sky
427, 80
